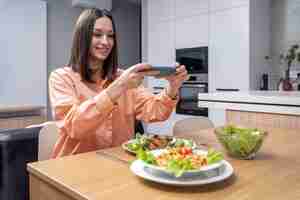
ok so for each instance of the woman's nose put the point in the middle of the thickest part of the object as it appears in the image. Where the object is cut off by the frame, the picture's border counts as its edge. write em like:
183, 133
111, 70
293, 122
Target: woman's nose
104, 39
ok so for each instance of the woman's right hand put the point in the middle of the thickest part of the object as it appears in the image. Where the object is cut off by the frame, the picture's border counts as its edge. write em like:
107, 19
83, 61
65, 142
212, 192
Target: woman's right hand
130, 78
134, 76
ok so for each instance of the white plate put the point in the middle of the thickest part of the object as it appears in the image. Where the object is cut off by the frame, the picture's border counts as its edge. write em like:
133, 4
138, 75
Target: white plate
124, 146
140, 169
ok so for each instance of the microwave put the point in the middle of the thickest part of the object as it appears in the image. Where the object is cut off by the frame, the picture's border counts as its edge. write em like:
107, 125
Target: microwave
195, 59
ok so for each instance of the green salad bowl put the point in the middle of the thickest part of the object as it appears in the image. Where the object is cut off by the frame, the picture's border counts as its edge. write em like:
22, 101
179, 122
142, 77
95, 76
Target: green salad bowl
240, 142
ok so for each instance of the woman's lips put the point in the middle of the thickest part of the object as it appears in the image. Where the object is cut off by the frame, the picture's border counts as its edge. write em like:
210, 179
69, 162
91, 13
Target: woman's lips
103, 51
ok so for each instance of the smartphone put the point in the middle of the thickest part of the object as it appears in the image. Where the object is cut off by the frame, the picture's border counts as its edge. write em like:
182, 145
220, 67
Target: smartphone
164, 70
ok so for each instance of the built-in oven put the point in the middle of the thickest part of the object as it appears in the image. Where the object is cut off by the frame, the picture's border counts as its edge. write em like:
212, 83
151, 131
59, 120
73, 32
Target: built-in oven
195, 60
188, 99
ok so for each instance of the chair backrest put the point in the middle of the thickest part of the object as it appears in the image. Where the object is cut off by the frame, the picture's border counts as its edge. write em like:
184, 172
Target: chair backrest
47, 138
191, 125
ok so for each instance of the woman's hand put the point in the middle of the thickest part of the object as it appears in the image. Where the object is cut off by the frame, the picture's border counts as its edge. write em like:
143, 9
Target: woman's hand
176, 80
134, 76
130, 78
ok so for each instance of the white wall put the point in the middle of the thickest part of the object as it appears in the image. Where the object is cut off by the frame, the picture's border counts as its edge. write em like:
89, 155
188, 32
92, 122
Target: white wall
61, 21
23, 75
285, 31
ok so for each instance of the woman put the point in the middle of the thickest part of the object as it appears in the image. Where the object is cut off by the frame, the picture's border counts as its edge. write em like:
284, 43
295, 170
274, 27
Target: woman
94, 103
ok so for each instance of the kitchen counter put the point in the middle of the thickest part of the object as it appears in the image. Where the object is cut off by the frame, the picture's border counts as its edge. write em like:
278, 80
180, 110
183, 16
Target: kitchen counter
276, 107
20, 108
256, 101
273, 174
20, 116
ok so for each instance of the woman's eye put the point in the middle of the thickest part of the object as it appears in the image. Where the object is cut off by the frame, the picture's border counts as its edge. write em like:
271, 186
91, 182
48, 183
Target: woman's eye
111, 36
99, 35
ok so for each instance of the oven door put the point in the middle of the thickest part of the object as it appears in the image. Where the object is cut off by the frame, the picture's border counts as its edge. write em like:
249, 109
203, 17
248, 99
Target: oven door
188, 100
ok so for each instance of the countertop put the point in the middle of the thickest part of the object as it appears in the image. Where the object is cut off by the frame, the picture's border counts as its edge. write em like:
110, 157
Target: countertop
20, 108
273, 174
256, 101
256, 97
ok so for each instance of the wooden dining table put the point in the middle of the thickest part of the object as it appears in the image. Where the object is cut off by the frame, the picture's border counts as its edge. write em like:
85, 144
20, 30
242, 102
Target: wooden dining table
274, 174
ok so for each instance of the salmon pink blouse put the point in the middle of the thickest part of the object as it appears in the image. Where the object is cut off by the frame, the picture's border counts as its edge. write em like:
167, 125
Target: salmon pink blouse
87, 118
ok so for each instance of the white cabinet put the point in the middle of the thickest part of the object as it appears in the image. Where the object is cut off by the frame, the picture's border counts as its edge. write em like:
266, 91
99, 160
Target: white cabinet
160, 10
239, 38
190, 7
229, 49
216, 5
161, 43
192, 31
160, 37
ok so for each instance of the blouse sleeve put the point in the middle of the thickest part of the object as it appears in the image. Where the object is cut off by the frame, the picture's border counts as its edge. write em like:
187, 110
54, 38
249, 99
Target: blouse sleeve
153, 108
77, 117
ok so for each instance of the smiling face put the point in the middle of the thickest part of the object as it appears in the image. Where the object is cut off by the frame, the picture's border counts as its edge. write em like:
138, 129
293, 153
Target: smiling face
102, 40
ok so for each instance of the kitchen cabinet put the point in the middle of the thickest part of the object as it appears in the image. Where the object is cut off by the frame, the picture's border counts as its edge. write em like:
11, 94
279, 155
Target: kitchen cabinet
161, 46
21, 122
190, 8
192, 31
216, 5
229, 49
160, 10
21, 116
239, 39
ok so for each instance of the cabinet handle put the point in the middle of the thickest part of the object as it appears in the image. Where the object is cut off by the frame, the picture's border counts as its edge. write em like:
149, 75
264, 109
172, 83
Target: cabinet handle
158, 88
228, 89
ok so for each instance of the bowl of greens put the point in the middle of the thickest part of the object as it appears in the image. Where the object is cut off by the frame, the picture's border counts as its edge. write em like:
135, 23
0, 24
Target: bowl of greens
240, 142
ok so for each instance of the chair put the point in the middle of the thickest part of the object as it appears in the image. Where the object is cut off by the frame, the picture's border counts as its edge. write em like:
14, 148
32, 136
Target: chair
191, 125
47, 138
138, 127
17, 148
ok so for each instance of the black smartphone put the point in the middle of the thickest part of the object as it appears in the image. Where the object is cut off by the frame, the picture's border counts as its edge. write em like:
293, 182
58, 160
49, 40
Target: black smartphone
164, 70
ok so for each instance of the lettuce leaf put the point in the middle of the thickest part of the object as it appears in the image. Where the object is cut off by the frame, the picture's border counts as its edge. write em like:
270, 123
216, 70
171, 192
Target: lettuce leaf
214, 156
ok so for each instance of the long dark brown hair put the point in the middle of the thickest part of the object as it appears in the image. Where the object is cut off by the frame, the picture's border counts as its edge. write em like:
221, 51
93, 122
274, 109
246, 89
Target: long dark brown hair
82, 38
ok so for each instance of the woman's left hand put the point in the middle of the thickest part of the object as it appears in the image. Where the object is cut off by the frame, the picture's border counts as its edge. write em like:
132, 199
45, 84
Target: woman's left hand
176, 80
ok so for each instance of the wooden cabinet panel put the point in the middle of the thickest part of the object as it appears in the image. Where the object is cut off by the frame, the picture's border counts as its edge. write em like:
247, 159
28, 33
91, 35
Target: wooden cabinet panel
9, 123
263, 120
21, 122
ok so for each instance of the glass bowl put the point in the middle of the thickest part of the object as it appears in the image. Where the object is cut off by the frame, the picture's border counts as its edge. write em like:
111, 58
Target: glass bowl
240, 142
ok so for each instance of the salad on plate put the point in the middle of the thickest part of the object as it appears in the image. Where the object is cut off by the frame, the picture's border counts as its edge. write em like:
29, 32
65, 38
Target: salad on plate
152, 142
180, 161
